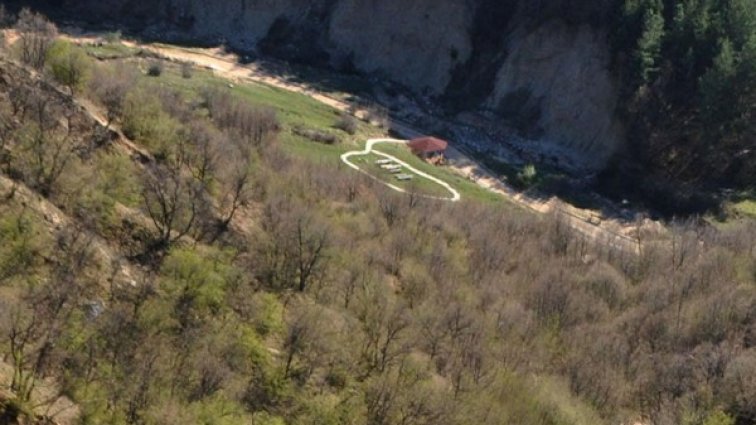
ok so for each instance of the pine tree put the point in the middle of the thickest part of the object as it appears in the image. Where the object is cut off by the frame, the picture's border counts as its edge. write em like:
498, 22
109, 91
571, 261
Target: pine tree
649, 45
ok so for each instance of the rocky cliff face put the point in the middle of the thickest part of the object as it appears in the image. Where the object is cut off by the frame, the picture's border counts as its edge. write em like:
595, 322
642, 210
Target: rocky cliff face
535, 64
559, 76
417, 43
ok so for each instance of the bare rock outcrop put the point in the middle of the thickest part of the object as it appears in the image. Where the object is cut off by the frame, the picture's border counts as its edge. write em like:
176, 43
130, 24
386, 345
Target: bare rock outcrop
415, 43
561, 74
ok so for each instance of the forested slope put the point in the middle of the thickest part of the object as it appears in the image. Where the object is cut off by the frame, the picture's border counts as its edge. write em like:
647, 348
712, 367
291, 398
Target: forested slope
172, 252
688, 72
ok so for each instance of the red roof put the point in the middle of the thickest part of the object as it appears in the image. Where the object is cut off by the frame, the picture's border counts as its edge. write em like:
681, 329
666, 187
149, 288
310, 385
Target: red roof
427, 145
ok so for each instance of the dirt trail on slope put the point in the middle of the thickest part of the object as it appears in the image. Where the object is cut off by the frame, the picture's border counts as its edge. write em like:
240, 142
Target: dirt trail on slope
589, 223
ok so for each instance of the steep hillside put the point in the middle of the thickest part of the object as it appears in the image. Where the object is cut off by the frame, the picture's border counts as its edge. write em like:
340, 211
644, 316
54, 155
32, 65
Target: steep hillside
177, 247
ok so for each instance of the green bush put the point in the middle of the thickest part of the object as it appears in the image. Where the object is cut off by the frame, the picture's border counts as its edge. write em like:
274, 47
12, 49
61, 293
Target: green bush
145, 121
719, 418
21, 245
198, 279
112, 181
69, 65
269, 314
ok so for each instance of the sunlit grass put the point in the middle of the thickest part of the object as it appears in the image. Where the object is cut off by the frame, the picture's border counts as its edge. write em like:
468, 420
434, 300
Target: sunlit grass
468, 189
746, 207
418, 184
108, 51
297, 109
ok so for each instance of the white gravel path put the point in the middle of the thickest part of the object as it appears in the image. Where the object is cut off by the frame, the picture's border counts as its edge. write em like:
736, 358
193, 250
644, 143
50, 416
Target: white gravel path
455, 196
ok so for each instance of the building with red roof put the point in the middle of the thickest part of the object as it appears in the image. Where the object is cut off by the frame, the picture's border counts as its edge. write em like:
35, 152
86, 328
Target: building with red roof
428, 147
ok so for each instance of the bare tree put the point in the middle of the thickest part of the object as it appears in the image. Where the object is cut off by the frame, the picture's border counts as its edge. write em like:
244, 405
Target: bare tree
222, 164
45, 149
297, 249
311, 243
6, 130
36, 35
35, 326
229, 160
385, 327
200, 148
391, 207
255, 123
307, 339
172, 200
237, 181
5, 19
111, 85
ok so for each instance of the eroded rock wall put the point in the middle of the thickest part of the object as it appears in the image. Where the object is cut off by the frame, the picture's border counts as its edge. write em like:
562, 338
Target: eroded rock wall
561, 74
417, 43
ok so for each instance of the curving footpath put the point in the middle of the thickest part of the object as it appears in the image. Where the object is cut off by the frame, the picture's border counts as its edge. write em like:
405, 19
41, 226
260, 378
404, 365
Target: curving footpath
369, 149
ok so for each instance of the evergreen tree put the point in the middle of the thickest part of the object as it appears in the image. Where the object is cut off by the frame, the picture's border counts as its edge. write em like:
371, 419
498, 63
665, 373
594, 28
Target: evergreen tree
649, 45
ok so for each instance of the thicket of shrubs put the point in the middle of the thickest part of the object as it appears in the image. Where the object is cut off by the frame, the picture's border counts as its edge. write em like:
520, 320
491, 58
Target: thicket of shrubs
320, 136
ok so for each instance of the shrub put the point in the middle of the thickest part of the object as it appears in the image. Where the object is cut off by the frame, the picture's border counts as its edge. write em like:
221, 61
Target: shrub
187, 70
20, 245
317, 135
268, 314
155, 69
112, 180
145, 121
258, 123
199, 280
69, 65
110, 85
347, 124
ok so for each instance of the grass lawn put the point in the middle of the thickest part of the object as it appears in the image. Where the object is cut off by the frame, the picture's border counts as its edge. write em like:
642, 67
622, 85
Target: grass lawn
316, 152
293, 108
418, 184
469, 190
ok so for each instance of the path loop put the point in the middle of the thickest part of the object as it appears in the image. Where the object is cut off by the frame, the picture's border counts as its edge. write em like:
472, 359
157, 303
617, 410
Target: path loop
369, 149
